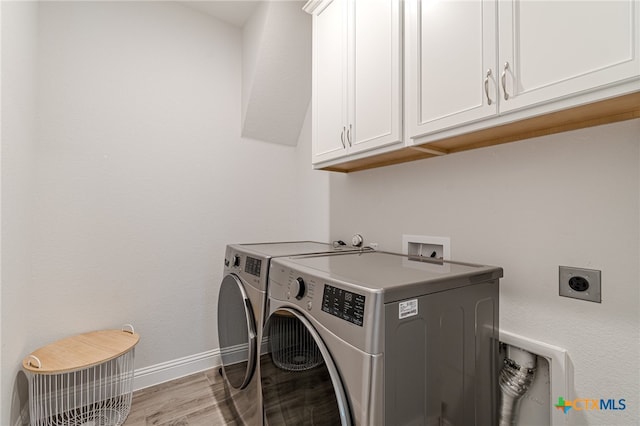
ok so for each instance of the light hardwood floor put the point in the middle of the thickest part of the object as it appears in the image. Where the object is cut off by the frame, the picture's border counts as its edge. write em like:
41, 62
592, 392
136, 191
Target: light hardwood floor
196, 400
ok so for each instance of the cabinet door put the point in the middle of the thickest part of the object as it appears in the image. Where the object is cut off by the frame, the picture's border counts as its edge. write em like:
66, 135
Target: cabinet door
555, 49
375, 80
329, 81
450, 63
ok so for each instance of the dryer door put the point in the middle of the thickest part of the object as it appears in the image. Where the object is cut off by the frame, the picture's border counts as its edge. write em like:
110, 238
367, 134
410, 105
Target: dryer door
236, 332
300, 382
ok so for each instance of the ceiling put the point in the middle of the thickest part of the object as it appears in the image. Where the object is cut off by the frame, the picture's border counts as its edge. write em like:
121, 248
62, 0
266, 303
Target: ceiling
235, 12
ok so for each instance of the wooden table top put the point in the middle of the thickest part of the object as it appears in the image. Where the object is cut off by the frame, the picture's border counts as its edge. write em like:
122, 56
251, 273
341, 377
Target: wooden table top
80, 351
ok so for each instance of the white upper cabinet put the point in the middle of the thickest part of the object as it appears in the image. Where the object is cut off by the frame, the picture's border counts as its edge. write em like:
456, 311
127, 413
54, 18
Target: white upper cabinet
329, 75
357, 82
556, 49
450, 63
398, 80
375, 91
472, 64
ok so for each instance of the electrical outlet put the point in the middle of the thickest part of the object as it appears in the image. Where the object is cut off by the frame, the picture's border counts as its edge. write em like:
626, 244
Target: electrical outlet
580, 283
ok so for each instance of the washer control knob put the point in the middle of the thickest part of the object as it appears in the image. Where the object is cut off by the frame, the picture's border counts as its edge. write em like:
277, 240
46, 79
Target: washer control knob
299, 288
235, 261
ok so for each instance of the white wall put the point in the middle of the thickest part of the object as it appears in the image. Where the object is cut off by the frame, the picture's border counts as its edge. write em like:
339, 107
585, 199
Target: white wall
568, 199
140, 179
276, 72
19, 31
251, 32
312, 190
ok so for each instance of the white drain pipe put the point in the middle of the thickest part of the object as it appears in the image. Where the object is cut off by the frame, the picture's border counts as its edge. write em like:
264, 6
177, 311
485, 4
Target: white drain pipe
516, 377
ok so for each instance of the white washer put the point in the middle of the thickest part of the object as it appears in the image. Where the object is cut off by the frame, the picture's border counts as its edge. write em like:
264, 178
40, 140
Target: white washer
241, 310
380, 339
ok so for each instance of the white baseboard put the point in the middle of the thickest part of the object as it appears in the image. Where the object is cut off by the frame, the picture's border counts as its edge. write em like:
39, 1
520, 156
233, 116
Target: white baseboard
174, 369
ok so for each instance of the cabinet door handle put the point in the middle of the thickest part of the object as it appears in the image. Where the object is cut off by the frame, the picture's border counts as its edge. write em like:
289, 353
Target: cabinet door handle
342, 137
349, 135
486, 87
504, 81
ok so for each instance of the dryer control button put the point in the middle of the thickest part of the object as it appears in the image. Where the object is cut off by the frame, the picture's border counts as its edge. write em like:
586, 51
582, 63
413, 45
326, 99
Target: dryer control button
309, 305
299, 288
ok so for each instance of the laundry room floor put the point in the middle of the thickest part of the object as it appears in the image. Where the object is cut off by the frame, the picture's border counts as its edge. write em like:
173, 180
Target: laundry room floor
196, 400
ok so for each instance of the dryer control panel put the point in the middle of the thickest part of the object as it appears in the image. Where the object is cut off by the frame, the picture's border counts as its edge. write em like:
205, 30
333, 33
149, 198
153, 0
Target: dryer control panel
253, 266
251, 269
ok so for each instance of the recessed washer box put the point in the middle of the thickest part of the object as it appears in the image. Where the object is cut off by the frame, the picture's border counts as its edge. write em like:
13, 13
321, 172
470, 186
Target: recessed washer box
425, 246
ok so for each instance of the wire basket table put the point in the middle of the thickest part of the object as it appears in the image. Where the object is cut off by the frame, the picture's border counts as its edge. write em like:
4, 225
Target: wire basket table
83, 380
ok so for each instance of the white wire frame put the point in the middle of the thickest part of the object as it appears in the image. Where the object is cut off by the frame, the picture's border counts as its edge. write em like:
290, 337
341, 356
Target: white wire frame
95, 396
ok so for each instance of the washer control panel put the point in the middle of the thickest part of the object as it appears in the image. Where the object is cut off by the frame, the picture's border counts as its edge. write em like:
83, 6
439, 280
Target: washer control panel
298, 288
343, 304
348, 311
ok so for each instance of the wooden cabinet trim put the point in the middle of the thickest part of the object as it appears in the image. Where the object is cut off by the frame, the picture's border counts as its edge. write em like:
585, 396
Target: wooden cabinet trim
612, 110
